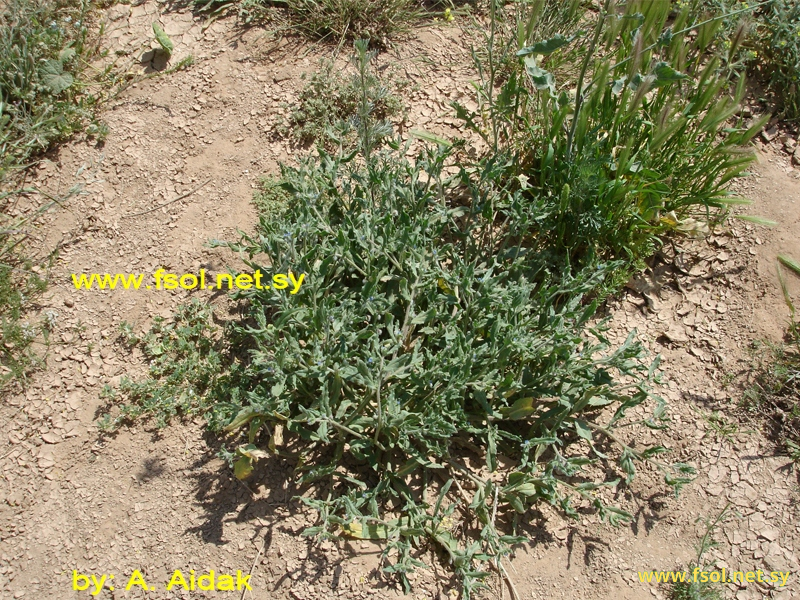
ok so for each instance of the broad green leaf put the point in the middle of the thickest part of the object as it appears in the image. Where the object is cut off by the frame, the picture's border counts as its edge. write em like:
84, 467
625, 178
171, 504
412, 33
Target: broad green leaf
666, 74
614, 515
444, 287
637, 81
162, 38
547, 46
242, 418
54, 77
542, 80
448, 542
407, 467
653, 451
516, 503
583, 429
526, 489
66, 55
521, 409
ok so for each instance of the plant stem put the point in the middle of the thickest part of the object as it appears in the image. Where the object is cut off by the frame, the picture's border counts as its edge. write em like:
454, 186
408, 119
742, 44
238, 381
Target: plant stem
579, 91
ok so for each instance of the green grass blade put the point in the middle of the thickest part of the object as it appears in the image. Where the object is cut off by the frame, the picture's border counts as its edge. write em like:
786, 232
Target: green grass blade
789, 263
734, 201
757, 220
787, 298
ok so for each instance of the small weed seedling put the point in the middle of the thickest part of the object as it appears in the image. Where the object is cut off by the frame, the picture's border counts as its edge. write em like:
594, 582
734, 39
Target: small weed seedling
700, 590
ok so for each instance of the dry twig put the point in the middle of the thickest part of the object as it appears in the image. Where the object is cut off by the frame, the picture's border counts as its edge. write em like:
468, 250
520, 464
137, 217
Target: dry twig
181, 197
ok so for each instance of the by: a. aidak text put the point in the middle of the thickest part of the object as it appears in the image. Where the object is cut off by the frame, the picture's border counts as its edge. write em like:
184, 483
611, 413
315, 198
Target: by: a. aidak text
180, 580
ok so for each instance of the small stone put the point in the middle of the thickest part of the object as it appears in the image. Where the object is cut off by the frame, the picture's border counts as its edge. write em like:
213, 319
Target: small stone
777, 563
796, 157
769, 134
697, 352
676, 334
770, 534
735, 537
51, 438
69, 303
118, 11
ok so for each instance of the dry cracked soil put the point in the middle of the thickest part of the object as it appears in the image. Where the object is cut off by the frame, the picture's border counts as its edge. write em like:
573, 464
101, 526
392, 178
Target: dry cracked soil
160, 500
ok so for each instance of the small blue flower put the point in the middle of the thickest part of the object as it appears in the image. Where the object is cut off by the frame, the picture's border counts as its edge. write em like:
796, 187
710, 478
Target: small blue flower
370, 361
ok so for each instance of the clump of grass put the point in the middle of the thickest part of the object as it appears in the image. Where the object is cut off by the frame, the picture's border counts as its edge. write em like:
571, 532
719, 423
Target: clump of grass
330, 20
189, 371
522, 24
700, 589
762, 38
43, 49
21, 336
248, 11
339, 20
271, 199
775, 392
327, 110
777, 41
774, 395
646, 147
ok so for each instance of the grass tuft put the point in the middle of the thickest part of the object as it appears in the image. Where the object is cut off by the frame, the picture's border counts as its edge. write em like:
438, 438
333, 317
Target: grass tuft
43, 53
43, 56
328, 107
